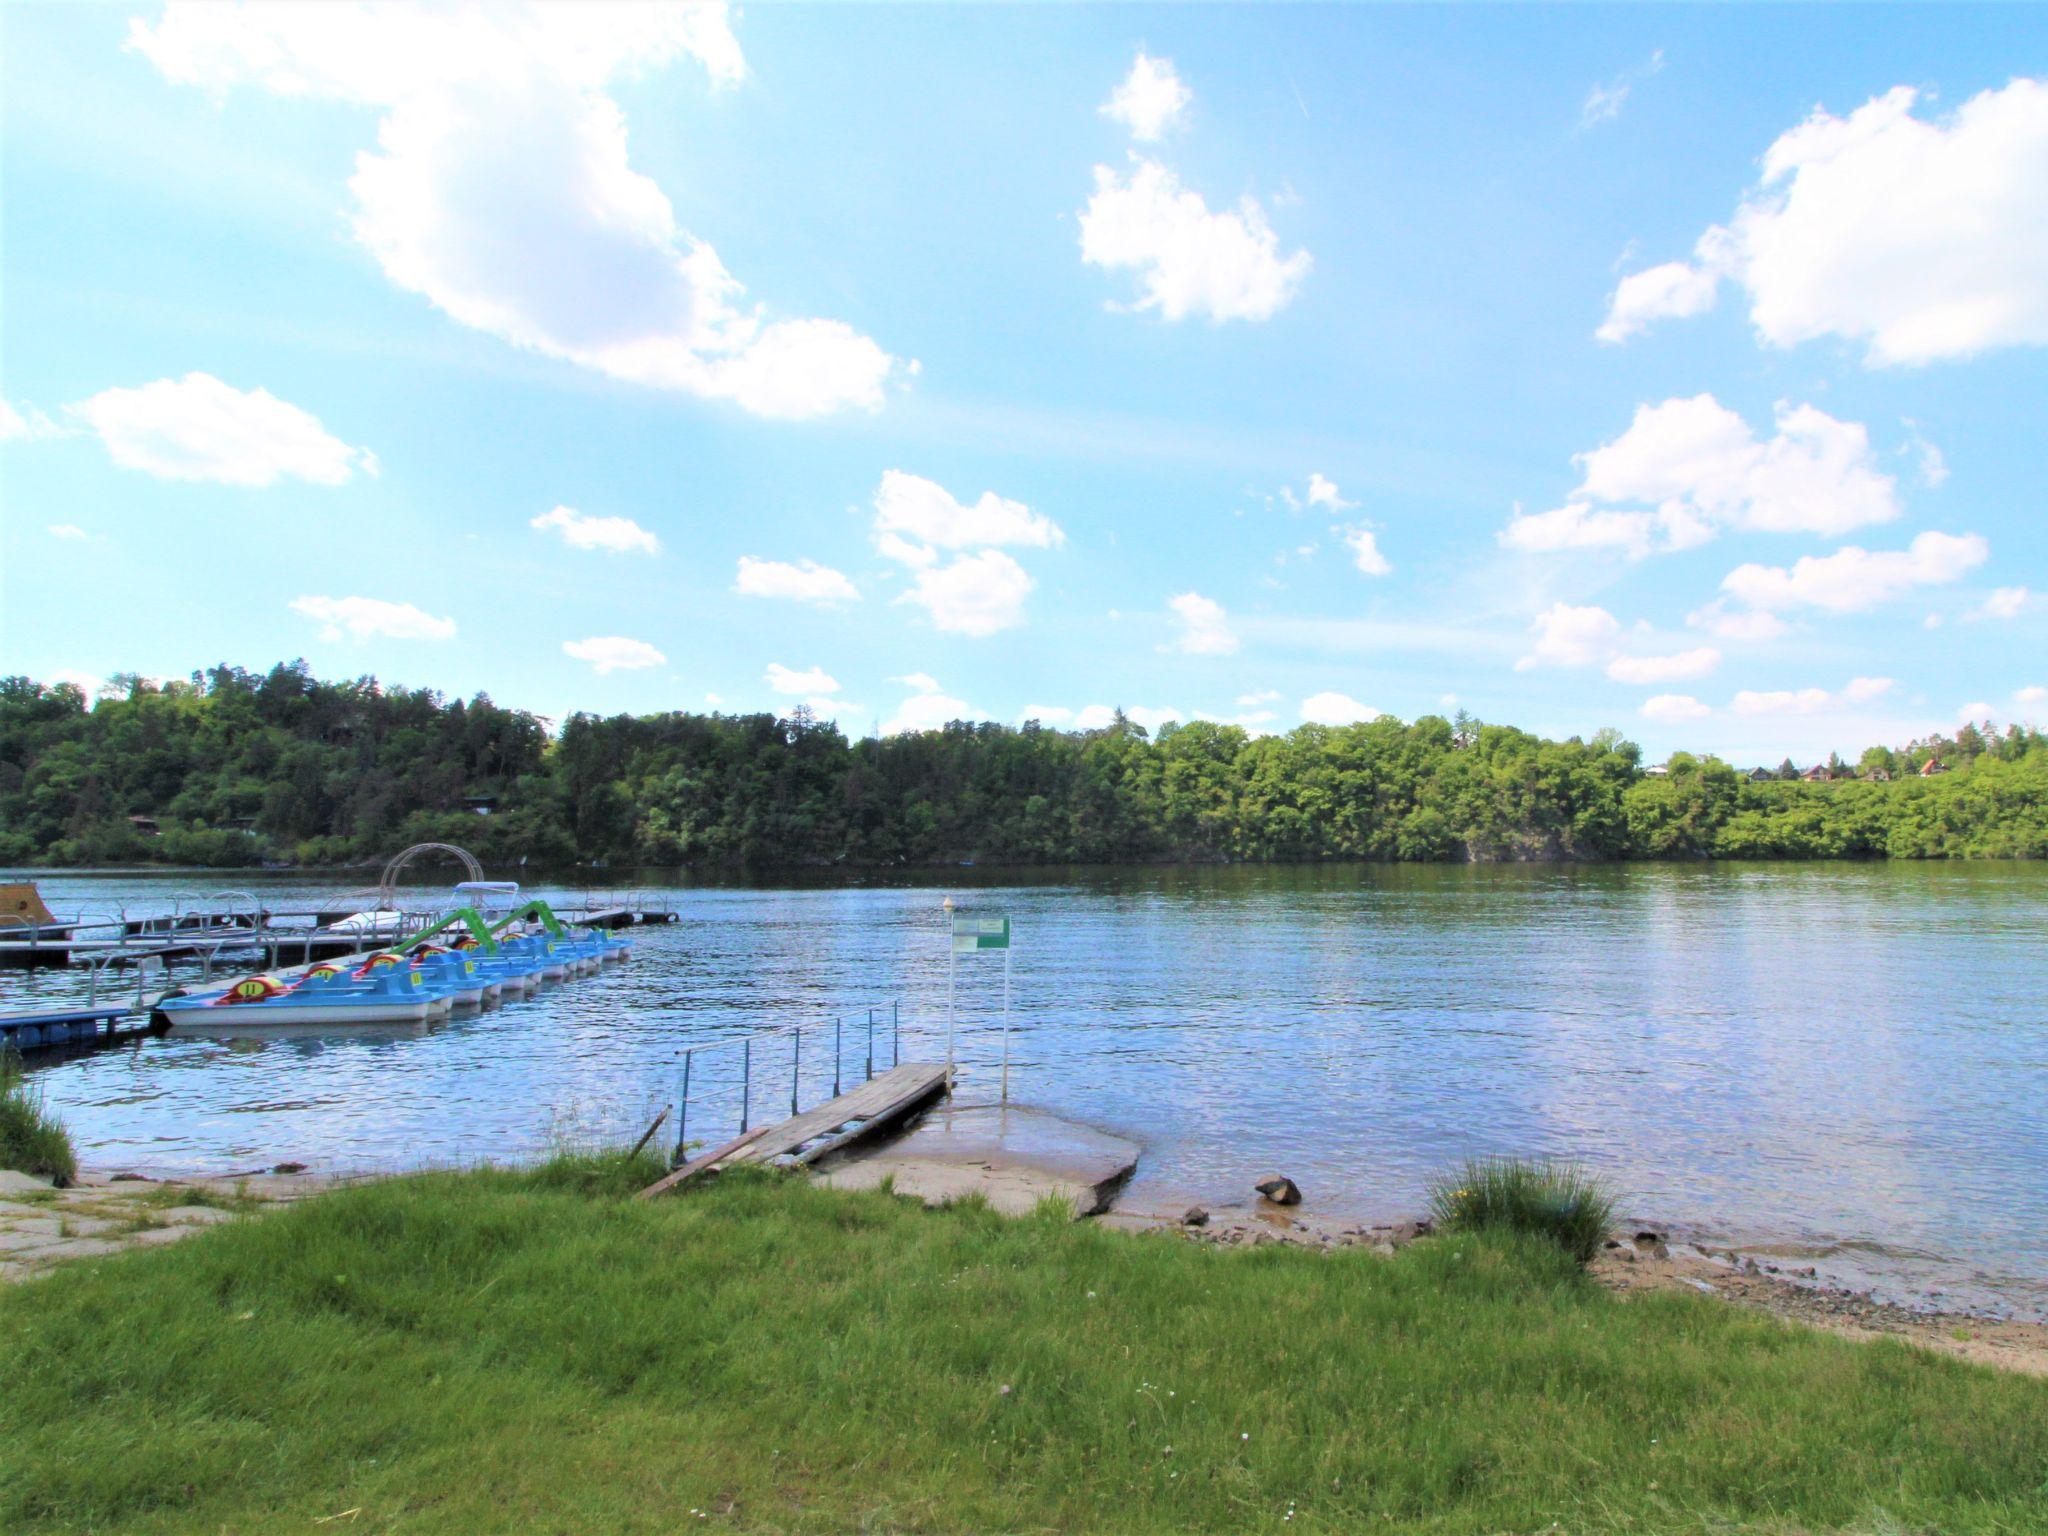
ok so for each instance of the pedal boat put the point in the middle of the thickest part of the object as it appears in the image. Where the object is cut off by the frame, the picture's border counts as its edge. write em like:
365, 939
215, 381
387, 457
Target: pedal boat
400, 996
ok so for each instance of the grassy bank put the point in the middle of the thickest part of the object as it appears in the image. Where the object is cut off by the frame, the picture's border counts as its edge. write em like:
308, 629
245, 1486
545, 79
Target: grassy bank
499, 1351
31, 1138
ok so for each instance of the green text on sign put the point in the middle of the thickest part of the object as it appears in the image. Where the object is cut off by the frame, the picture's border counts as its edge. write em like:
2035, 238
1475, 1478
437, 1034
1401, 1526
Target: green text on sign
971, 934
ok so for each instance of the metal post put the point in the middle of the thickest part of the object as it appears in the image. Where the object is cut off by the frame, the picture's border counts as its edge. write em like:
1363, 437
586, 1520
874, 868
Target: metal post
835, 1056
746, 1079
871, 1042
796, 1071
952, 966
1006, 1026
683, 1111
896, 1027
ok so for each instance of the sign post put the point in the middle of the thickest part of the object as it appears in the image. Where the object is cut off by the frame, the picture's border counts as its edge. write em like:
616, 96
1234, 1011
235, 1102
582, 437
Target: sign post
972, 936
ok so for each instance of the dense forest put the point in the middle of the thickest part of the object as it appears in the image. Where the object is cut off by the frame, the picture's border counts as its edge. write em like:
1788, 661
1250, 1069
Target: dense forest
236, 768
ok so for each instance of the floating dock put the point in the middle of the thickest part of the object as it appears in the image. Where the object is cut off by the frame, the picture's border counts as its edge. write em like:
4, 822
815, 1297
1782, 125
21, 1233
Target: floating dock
75, 1024
877, 1103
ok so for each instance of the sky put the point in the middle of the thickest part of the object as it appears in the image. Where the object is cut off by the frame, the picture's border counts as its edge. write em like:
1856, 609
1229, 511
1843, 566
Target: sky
1667, 369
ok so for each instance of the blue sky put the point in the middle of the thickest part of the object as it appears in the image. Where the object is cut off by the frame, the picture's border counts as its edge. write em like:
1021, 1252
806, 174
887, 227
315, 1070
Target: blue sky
1674, 370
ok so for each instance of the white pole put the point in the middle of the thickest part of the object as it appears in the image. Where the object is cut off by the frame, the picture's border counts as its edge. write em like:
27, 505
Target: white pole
1006, 1020
952, 965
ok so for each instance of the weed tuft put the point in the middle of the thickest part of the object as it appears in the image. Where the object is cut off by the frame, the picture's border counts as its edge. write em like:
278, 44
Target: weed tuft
1559, 1201
31, 1138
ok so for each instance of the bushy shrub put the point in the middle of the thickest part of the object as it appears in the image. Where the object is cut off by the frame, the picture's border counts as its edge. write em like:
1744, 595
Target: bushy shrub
31, 1140
1558, 1201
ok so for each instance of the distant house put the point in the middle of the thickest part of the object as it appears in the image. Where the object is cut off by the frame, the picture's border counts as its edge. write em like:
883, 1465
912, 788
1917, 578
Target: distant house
1819, 773
481, 805
1657, 771
145, 825
1761, 775
1931, 767
1879, 776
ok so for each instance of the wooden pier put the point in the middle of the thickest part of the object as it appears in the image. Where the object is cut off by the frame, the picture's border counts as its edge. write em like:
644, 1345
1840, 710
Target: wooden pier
877, 1103
875, 1106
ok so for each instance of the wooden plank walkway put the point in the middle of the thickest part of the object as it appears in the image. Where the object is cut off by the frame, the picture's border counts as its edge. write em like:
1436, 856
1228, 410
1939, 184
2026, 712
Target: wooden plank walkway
874, 1104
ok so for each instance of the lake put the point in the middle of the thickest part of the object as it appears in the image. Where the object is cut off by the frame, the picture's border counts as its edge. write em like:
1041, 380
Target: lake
1848, 1062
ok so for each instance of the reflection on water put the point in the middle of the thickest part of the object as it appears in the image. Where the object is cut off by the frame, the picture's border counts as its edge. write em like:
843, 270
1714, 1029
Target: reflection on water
1847, 1061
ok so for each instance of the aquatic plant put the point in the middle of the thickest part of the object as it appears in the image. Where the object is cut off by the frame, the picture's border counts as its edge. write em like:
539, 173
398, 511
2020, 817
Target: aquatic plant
31, 1138
1558, 1201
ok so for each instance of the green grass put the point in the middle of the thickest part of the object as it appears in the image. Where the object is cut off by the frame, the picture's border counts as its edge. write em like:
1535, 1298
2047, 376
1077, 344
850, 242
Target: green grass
31, 1139
1558, 1202
509, 1352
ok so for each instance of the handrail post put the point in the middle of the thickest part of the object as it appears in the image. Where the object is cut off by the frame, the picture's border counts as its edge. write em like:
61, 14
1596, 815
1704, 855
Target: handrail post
796, 1069
896, 1024
683, 1113
871, 1042
836, 1023
746, 1079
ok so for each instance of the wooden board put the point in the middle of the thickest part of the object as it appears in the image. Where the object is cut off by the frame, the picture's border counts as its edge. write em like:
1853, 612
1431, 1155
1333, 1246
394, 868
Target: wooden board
872, 1105
697, 1165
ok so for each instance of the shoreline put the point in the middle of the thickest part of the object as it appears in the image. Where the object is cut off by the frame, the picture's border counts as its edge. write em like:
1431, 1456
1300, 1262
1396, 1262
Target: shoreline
1639, 1267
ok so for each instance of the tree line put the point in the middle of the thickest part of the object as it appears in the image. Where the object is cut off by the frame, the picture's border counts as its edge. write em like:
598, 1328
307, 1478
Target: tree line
233, 768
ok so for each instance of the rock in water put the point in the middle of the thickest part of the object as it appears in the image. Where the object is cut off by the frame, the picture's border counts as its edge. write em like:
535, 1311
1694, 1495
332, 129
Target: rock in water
1281, 1190
1195, 1217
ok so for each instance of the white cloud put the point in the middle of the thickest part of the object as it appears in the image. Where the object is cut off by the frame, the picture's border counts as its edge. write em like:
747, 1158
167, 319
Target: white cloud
1686, 467
617, 535
67, 531
1852, 579
1335, 709
360, 618
811, 680
1575, 525
197, 428
1047, 714
1932, 461
978, 594
1674, 290
1605, 101
1365, 552
1970, 714
1150, 100
1323, 492
928, 708
1205, 627
1189, 260
21, 426
923, 510
1810, 701
1570, 637
501, 190
1664, 669
1744, 627
1673, 707
2030, 696
1257, 697
974, 594
805, 582
87, 683
614, 653
2003, 603
1921, 238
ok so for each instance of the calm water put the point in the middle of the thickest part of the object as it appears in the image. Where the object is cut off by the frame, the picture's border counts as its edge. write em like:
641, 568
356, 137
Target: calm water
1850, 1061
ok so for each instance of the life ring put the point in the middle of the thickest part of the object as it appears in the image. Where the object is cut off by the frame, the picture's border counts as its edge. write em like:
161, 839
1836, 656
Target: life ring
254, 989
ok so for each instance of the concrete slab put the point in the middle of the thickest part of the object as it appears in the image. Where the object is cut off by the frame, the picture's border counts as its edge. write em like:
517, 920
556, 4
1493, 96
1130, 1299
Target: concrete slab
1014, 1157
76, 1248
13, 1182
